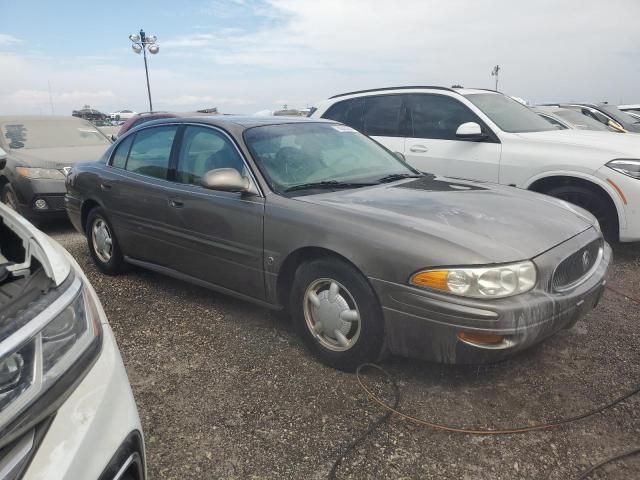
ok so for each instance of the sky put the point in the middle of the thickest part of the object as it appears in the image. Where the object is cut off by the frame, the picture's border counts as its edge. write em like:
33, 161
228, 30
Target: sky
243, 56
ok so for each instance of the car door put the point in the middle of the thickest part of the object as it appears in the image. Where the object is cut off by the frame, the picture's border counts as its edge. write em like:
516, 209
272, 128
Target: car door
134, 192
217, 235
432, 145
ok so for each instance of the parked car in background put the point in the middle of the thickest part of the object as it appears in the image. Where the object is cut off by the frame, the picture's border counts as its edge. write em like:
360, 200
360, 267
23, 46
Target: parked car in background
122, 115
40, 150
484, 135
607, 114
564, 118
66, 406
316, 218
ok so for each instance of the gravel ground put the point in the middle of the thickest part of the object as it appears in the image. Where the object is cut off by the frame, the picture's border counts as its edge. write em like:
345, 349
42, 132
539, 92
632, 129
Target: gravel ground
225, 390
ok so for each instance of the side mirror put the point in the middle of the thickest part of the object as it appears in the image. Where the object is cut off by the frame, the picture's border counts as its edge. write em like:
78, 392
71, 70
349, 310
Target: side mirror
470, 131
226, 180
400, 156
3, 159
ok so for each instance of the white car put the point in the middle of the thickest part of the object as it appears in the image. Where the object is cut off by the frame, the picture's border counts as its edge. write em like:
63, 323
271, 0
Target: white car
122, 115
66, 406
487, 136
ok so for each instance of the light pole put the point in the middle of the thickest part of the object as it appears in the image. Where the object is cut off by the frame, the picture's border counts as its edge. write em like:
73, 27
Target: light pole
142, 43
494, 73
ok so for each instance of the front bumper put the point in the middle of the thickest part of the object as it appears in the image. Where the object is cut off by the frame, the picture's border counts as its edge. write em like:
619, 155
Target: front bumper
424, 324
51, 191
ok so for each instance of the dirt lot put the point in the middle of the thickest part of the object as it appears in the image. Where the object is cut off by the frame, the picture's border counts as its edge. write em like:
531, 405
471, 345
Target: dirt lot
225, 390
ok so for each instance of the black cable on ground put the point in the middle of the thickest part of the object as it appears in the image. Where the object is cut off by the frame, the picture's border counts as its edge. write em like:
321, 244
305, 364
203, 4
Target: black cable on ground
391, 409
382, 419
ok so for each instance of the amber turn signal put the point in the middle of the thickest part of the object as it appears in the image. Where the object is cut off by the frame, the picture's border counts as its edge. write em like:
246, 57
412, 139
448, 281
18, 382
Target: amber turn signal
480, 338
436, 279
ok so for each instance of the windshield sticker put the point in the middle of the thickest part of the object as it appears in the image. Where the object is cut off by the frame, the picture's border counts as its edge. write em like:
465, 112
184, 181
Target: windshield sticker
16, 134
343, 128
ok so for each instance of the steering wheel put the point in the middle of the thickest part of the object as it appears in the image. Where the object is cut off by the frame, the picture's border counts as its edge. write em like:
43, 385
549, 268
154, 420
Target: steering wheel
293, 164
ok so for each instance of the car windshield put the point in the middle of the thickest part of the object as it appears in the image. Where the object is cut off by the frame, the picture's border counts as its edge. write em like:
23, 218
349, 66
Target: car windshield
581, 121
50, 133
292, 156
509, 115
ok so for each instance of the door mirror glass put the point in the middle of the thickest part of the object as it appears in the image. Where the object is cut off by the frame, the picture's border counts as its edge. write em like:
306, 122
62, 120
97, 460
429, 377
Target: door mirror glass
470, 130
3, 159
226, 180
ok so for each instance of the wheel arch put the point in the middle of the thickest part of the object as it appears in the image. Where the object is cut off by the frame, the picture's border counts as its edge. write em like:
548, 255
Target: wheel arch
87, 206
548, 180
294, 259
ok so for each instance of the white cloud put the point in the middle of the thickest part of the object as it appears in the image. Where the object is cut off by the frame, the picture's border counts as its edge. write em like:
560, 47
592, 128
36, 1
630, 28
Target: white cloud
6, 40
299, 51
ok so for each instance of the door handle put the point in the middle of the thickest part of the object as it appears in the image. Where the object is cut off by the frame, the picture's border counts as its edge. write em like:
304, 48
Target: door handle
419, 149
176, 203
105, 186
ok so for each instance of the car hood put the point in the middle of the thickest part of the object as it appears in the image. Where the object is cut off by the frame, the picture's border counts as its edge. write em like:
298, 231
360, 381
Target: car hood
498, 224
58, 157
615, 144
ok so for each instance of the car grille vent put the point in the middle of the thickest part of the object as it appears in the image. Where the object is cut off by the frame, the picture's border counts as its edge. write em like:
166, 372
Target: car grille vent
577, 267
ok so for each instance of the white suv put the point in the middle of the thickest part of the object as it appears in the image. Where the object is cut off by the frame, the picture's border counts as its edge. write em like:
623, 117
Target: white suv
484, 135
66, 407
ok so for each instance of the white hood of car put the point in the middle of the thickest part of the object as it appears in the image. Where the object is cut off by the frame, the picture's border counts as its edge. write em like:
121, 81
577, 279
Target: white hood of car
617, 145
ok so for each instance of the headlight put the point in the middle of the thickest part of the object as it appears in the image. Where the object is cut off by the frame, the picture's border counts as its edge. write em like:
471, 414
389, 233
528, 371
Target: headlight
626, 166
479, 282
42, 173
42, 351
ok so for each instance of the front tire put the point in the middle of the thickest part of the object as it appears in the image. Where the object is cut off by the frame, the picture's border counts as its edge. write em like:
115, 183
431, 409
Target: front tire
337, 314
103, 244
595, 203
8, 197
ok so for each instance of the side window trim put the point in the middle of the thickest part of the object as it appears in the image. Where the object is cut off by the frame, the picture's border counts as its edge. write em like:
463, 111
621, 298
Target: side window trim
401, 113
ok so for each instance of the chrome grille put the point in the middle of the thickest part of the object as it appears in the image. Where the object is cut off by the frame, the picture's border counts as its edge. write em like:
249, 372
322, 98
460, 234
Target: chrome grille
577, 267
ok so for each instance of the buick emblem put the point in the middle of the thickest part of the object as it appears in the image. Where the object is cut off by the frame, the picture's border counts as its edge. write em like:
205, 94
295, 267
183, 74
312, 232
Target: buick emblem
586, 260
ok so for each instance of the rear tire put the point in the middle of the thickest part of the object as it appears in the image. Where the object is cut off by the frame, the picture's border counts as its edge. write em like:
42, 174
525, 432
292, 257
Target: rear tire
598, 204
336, 313
103, 244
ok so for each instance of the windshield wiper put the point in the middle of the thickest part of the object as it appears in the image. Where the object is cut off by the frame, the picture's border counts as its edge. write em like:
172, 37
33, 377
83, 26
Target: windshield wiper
327, 184
399, 176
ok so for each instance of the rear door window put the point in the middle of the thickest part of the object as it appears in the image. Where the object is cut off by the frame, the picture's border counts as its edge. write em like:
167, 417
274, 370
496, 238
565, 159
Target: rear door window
382, 115
151, 151
119, 158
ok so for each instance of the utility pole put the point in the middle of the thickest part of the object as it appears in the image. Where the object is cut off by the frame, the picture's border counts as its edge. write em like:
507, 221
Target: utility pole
494, 73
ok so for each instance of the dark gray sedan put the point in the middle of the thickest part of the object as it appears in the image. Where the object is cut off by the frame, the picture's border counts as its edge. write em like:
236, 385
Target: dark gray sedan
40, 150
367, 254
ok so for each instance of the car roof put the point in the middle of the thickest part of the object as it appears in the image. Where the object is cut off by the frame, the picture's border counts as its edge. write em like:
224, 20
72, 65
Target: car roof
240, 120
412, 88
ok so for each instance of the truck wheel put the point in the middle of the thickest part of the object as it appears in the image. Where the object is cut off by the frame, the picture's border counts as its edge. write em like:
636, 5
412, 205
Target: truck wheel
337, 314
